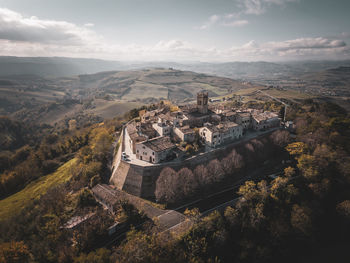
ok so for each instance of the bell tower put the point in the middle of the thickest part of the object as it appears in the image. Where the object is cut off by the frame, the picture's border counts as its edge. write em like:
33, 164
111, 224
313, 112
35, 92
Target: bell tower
202, 102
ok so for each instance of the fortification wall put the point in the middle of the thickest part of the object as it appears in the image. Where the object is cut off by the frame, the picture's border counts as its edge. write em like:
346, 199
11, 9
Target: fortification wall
141, 180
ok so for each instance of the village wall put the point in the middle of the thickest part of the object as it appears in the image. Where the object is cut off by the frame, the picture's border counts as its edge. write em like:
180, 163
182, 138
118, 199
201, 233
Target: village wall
141, 180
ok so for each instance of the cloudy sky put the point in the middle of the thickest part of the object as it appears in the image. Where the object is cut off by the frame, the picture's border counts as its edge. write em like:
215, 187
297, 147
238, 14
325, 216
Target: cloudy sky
177, 30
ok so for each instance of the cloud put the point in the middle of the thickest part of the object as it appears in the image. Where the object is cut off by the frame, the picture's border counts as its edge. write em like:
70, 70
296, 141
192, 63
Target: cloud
15, 27
301, 48
211, 21
235, 23
257, 7
244, 8
89, 24
307, 43
178, 50
228, 20
21, 36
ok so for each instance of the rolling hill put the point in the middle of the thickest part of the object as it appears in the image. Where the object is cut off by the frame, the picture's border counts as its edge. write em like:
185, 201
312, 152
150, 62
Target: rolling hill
93, 97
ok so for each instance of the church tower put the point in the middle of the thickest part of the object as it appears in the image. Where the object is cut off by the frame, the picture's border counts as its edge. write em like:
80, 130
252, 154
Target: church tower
202, 102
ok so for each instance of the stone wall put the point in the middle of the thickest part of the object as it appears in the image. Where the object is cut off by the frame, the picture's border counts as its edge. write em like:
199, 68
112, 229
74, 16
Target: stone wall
141, 181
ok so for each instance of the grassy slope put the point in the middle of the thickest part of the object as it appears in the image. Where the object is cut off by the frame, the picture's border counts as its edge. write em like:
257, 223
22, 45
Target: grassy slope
14, 203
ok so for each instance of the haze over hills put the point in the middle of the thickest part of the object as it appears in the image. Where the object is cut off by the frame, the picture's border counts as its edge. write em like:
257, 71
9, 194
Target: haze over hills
61, 66
54, 66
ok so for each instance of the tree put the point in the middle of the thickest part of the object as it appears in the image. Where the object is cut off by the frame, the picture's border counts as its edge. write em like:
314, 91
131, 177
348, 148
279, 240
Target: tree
166, 185
296, 148
14, 252
301, 218
86, 199
215, 170
201, 174
289, 171
307, 165
189, 149
280, 138
343, 209
101, 255
232, 162
187, 183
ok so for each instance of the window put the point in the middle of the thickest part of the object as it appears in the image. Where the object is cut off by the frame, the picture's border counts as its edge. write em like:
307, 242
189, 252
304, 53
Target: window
143, 147
153, 154
137, 151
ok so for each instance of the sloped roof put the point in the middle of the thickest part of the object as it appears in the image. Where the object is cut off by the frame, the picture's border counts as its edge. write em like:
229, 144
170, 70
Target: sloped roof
159, 144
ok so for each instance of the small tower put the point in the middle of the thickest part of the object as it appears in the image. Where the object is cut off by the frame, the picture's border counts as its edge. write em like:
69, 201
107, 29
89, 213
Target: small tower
202, 102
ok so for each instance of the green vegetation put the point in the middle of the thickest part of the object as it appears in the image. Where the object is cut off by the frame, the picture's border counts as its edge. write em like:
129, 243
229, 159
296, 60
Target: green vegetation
16, 202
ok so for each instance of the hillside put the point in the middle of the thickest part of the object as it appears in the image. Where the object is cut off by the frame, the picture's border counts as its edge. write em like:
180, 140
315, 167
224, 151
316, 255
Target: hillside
93, 97
14, 203
330, 82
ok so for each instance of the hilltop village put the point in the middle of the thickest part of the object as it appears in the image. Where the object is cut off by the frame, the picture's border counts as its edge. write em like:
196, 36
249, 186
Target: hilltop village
161, 134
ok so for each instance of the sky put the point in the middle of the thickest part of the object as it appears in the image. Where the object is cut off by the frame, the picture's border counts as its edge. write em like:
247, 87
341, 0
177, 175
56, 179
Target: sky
181, 30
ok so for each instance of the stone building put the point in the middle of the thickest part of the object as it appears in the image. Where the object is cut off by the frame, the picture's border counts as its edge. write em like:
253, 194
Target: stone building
215, 135
139, 132
244, 119
185, 134
162, 127
155, 150
265, 120
202, 102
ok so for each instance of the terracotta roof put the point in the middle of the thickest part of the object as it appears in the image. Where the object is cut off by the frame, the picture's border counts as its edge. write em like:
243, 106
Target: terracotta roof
159, 144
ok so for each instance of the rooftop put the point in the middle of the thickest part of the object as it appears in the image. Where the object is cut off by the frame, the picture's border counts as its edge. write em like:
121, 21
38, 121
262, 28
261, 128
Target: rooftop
244, 114
265, 116
159, 144
222, 127
186, 129
76, 221
134, 133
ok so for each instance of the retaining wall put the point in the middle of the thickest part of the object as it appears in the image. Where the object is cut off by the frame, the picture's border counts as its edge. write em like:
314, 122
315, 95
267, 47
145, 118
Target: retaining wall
141, 180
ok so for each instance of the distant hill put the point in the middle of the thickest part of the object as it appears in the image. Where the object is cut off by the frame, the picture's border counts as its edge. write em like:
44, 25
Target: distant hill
335, 82
60, 66
149, 85
54, 66
90, 97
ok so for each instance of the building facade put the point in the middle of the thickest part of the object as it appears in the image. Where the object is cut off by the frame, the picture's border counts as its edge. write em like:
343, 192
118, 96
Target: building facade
186, 134
216, 135
155, 150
